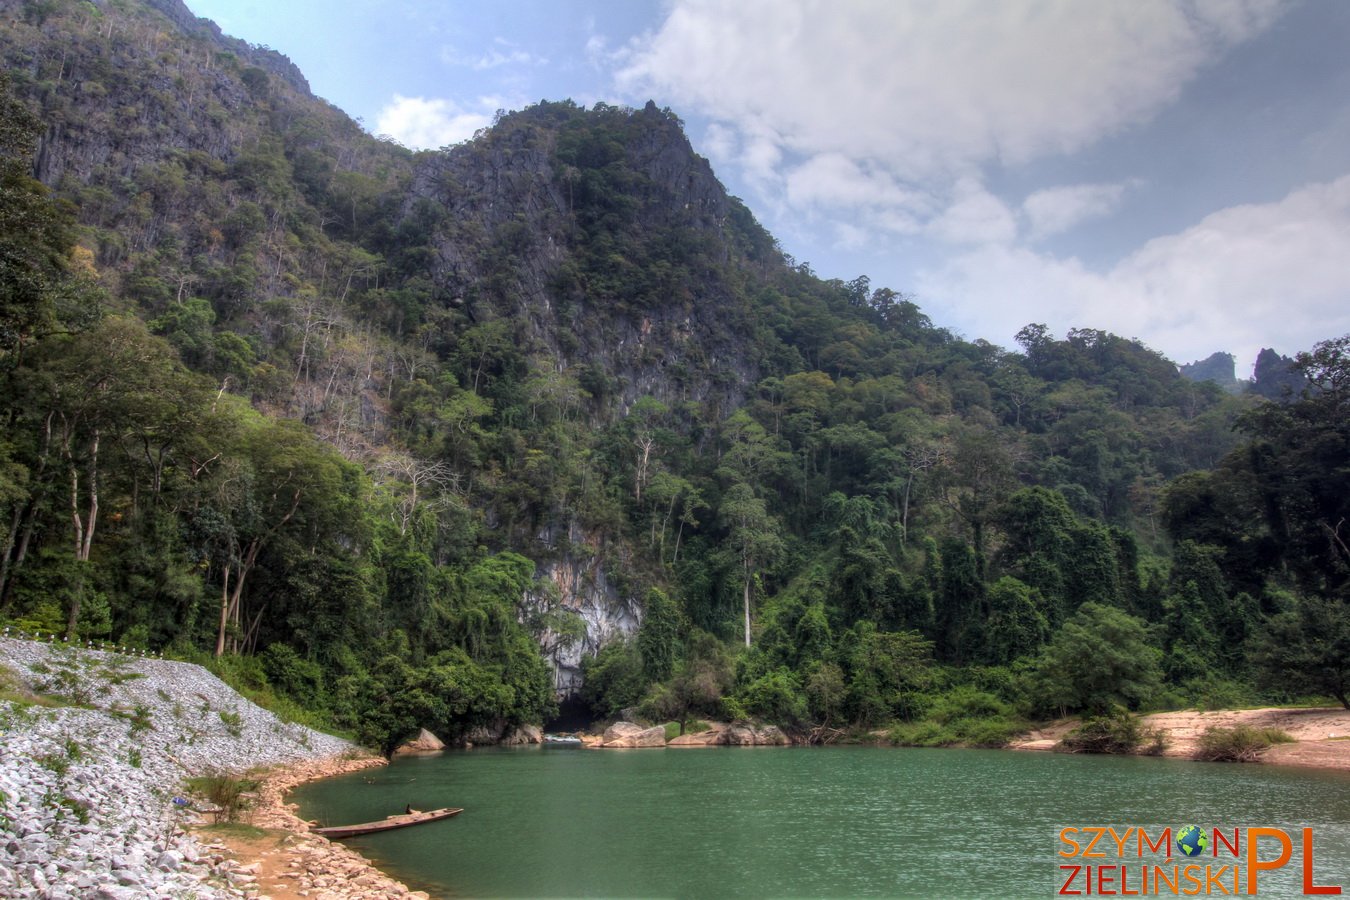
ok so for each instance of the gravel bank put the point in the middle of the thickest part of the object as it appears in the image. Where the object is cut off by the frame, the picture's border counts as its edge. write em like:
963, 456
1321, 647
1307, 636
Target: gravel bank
86, 795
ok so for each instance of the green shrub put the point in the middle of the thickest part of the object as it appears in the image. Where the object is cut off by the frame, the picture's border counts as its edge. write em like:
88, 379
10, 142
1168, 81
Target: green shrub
54, 762
613, 679
1116, 733
966, 702
992, 732
225, 791
298, 678
233, 722
1217, 693
965, 716
1241, 743
921, 734
776, 697
243, 673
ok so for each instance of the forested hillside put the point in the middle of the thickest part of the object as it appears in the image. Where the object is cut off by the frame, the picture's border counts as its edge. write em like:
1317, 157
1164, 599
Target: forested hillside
393, 434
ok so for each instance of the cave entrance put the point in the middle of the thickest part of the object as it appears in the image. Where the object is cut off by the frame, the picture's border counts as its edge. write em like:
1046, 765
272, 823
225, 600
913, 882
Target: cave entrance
573, 715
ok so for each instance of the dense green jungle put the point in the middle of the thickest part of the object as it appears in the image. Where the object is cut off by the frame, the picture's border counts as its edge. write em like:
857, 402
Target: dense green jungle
378, 434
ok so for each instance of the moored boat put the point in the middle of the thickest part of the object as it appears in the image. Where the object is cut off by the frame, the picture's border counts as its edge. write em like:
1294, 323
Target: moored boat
402, 820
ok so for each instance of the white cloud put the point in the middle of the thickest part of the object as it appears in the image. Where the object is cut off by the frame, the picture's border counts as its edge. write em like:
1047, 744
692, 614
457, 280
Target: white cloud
833, 179
1055, 210
910, 98
1252, 276
929, 86
505, 53
422, 123
974, 216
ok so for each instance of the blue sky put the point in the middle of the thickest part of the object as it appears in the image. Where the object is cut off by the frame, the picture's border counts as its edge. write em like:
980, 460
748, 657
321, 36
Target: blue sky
1172, 170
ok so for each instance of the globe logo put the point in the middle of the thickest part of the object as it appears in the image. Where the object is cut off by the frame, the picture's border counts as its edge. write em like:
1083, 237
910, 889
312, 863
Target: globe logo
1192, 841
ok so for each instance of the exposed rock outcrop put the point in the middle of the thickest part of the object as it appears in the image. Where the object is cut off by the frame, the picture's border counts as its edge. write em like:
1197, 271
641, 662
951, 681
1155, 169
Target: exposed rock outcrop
580, 584
702, 739
623, 735
503, 733
754, 736
425, 742
525, 734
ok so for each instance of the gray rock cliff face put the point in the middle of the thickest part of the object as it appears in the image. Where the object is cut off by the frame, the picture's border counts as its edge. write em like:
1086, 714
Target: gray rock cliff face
122, 96
578, 582
513, 232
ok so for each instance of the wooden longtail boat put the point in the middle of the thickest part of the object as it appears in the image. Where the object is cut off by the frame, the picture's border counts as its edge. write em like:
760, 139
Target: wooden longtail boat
401, 820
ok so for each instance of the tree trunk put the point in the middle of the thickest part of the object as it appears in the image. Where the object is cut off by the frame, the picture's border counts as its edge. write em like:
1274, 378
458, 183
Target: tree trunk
747, 604
92, 518
10, 559
224, 612
231, 611
76, 593
904, 513
5, 557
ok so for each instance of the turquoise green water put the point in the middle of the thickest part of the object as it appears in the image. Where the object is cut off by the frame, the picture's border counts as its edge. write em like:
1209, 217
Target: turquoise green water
818, 822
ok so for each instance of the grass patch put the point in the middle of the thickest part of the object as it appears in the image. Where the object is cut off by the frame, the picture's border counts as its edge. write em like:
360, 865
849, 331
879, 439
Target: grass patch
79, 678
233, 722
239, 830
13, 691
1241, 743
1117, 733
58, 763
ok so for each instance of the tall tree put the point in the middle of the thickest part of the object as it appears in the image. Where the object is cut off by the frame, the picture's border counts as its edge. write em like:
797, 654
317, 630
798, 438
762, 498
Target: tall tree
755, 535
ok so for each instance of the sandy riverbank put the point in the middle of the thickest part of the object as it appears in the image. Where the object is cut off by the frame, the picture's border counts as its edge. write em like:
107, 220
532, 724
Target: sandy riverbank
1321, 735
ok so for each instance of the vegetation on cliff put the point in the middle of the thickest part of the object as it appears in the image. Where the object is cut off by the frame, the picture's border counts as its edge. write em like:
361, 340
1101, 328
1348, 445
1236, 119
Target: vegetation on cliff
277, 390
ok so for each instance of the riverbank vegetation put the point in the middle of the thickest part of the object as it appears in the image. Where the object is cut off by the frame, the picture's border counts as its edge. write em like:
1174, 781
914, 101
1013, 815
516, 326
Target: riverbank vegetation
1241, 743
350, 420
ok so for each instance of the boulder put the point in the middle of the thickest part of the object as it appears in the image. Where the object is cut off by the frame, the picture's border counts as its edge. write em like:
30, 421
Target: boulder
754, 736
627, 734
525, 734
702, 739
482, 734
425, 742
739, 736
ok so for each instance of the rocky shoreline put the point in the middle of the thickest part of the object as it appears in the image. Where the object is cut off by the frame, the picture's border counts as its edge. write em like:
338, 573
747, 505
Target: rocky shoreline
301, 864
92, 796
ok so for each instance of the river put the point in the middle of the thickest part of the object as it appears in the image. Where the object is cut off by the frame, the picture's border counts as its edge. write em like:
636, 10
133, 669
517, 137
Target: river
816, 822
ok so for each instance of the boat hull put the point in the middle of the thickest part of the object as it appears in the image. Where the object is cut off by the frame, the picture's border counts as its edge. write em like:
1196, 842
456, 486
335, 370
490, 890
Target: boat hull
399, 821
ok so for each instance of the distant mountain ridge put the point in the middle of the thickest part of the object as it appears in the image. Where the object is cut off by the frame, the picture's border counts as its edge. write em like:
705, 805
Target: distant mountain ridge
1220, 368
